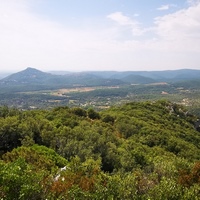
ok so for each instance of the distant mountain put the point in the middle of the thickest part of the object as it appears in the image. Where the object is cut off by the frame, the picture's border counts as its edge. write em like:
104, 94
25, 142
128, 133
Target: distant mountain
4, 74
27, 76
138, 79
165, 75
34, 79
60, 72
187, 74
188, 84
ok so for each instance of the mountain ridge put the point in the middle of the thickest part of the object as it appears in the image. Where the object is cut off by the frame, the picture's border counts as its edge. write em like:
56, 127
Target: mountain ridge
34, 77
168, 74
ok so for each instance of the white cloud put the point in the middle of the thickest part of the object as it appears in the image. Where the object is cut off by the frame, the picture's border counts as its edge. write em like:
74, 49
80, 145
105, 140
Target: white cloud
136, 15
178, 31
181, 29
123, 20
174, 42
27, 39
193, 2
164, 7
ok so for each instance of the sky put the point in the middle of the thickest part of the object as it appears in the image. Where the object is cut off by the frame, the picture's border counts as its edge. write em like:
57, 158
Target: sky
99, 35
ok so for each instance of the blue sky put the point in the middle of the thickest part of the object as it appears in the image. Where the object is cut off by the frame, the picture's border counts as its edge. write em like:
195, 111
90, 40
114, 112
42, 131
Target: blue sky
82, 35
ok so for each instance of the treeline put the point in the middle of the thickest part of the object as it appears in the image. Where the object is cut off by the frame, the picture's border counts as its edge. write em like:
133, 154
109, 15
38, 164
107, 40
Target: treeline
140, 150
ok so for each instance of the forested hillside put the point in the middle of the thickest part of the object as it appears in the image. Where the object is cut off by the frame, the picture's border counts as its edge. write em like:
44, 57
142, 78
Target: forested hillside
139, 150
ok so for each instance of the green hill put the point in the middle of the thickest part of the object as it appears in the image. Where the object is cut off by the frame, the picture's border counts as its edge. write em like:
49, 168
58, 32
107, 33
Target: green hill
140, 150
138, 79
27, 76
32, 79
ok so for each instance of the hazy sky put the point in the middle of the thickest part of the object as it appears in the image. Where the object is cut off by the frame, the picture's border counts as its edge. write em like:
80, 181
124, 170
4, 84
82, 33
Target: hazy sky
78, 35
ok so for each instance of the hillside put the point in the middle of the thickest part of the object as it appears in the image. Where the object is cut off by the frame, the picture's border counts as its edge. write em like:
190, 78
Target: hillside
27, 76
32, 88
32, 79
139, 150
138, 79
165, 75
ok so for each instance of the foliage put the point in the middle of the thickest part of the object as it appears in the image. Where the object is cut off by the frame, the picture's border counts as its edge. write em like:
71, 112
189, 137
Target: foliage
19, 181
139, 150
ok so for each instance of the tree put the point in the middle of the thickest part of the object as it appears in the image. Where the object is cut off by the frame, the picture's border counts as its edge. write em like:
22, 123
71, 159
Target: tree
93, 114
19, 181
10, 136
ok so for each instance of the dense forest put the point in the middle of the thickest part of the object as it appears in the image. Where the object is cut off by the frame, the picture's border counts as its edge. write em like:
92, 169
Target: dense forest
139, 150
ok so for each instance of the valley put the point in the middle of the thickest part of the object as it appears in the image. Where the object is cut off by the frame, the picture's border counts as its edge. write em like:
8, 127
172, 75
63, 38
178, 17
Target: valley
33, 89
99, 136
